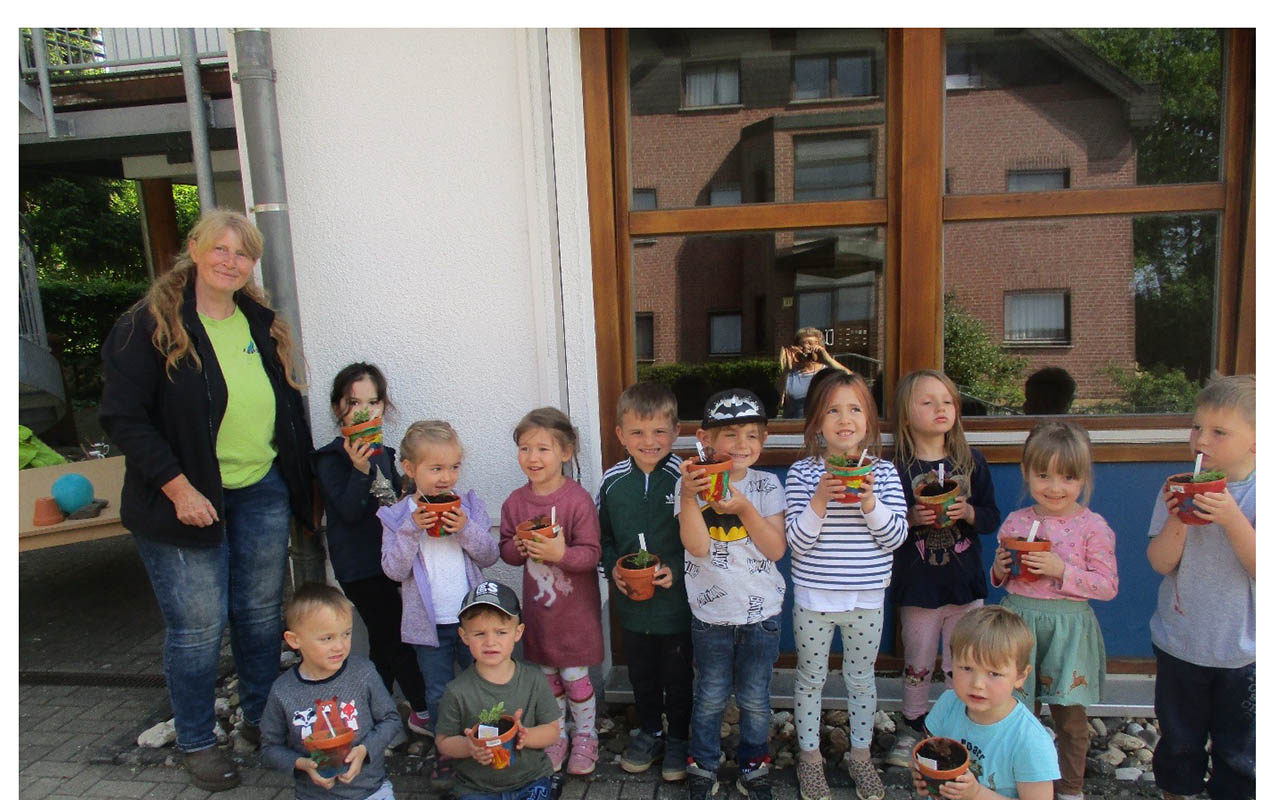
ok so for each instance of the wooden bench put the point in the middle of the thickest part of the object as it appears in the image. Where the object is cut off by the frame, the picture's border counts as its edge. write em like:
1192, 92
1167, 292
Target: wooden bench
106, 475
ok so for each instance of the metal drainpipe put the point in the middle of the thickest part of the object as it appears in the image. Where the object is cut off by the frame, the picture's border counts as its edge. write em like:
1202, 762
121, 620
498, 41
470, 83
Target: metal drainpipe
199, 120
256, 76
41, 51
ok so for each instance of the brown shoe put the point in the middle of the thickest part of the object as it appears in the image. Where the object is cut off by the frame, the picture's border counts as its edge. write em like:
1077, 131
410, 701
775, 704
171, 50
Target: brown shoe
211, 769
866, 780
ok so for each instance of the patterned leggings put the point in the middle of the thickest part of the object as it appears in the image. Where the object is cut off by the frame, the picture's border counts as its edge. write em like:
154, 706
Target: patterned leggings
860, 634
573, 691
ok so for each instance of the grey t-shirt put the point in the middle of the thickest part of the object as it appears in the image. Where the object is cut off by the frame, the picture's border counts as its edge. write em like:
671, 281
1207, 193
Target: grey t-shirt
1207, 607
469, 694
365, 705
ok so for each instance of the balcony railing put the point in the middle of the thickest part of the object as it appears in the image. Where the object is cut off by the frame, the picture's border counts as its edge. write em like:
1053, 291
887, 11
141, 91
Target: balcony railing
78, 51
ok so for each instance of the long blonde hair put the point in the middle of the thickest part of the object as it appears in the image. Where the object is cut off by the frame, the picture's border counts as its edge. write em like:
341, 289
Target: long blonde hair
164, 298
954, 442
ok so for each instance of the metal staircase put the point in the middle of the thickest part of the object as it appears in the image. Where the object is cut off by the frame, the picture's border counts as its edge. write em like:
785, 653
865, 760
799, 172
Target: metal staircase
42, 398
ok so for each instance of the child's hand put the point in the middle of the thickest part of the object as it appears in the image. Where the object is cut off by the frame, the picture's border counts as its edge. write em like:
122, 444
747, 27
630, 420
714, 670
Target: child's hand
662, 577
866, 493
965, 787
454, 520
356, 759
734, 504
922, 788
521, 730
479, 753
618, 582
920, 514
1044, 564
1003, 564
694, 479
548, 550
308, 766
423, 518
961, 510
829, 488
358, 453
1219, 507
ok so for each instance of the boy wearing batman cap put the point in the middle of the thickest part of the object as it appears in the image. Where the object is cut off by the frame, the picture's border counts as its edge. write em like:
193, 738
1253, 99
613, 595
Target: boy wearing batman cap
735, 591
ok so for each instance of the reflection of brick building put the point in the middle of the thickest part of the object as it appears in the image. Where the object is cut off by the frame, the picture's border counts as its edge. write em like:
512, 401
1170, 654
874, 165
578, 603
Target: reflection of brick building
727, 117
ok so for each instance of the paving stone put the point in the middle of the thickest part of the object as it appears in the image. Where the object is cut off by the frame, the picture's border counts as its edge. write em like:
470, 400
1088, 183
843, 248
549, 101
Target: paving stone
603, 790
120, 789
636, 791
37, 787
573, 789
163, 791
53, 769
87, 777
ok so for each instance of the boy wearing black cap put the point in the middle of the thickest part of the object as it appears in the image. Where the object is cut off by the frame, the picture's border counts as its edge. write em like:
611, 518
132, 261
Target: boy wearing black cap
735, 591
489, 624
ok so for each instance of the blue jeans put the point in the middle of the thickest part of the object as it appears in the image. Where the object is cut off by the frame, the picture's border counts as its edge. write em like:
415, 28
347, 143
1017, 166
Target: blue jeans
436, 665
199, 588
738, 660
538, 790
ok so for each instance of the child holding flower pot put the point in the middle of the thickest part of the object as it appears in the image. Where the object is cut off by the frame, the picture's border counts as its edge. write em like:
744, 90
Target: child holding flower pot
435, 571
938, 574
1203, 629
1053, 589
561, 592
1010, 752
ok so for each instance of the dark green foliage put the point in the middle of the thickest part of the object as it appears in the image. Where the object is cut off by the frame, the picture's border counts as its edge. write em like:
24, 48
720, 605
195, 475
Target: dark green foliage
694, 383
78, 315
1159, 390
973, 359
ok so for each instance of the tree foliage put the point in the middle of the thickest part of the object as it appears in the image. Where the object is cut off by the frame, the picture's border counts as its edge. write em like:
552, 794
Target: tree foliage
78, 314
974, 360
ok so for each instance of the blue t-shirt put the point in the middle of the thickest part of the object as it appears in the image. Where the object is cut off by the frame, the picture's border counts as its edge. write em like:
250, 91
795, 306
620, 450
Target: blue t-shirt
1017, 749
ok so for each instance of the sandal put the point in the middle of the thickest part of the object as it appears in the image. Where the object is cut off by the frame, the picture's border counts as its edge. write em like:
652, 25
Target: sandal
812, 778
866, 780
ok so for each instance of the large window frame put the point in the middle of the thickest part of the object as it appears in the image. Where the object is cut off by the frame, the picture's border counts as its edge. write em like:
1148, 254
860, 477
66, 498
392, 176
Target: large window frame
915, 87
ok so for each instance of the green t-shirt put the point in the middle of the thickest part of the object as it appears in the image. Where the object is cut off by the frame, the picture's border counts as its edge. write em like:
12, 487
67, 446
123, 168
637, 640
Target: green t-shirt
469, 694
246, 436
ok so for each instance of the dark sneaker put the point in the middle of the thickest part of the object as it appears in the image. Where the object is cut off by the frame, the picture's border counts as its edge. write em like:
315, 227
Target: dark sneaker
642, 751
250, 733
701, 782
675, 760
753, 781
211, 769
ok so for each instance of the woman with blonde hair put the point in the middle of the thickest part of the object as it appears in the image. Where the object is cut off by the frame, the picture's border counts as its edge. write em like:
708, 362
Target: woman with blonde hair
200, 396
800, 362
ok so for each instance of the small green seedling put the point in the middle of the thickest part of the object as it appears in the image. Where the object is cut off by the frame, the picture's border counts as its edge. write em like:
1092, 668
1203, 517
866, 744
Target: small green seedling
490, 716
360, 416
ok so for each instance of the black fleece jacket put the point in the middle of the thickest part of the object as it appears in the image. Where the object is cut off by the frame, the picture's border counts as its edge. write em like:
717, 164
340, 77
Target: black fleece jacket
167, 424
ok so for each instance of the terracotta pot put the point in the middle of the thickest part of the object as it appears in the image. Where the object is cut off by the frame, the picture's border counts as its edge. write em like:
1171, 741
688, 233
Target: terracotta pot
718, 472
1182, 486
437, 530
1018, 547
526, 530
329, 752
639, 581
852, 477
943, 750
47, 512
503, 746
941, 501
369, 432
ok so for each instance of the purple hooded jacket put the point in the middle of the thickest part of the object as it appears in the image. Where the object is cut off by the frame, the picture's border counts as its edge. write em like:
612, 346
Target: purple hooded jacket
402, 561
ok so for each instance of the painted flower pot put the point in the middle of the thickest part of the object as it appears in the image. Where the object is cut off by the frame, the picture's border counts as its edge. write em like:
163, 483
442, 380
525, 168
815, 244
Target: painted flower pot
718, 471
365, 433
1018, 547
638, 580
939, 497
1186, 490
852, 477
537, 529
329, 752
503, 745
439, 503
47, 512
944, 760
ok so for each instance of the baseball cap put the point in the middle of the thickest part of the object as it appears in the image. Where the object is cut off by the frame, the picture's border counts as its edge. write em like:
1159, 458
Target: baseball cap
733, 407
492, 593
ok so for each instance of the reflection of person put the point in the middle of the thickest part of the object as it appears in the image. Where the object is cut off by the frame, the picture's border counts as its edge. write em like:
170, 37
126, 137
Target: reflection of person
319, 620
800, 362
1049, 390
198, 394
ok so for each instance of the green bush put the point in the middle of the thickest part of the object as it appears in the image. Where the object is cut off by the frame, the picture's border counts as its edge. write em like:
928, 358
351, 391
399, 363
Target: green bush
694, 383
1159, 390
973, 359
78, 315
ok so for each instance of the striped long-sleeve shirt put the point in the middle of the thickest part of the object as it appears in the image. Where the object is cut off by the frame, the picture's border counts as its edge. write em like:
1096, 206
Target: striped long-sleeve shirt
844, 550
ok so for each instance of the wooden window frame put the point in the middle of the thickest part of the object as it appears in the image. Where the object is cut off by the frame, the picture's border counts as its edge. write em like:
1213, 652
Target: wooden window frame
914, 90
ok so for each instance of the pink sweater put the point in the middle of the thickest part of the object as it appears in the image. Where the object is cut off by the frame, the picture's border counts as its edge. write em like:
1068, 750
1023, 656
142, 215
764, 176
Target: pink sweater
561, 602
1084, 541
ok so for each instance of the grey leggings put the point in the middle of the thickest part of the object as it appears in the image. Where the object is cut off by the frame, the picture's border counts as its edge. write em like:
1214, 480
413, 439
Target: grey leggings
860, 633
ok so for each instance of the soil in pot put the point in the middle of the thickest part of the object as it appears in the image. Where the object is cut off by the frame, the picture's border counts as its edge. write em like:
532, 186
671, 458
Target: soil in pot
950, 760
851, 474
637, 574
1186, 486
939, 497
439, 503
503, 746
538, 528
717, 469
1018, 547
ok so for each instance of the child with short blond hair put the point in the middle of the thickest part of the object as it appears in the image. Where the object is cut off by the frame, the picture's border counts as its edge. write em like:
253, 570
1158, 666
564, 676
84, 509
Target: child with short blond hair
1203, 629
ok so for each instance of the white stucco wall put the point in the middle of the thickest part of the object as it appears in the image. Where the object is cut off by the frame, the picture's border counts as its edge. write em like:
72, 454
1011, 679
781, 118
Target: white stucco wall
427, 231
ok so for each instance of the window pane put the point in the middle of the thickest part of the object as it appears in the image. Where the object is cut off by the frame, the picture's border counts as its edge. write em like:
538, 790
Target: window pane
1124, 305
726, 196
644, 199
644, 337
1036, 180
834, 168
724, 101
1114, 107
834, 283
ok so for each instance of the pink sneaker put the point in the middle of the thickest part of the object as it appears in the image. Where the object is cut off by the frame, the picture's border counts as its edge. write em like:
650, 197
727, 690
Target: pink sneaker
556, 753
420, 723
582, 758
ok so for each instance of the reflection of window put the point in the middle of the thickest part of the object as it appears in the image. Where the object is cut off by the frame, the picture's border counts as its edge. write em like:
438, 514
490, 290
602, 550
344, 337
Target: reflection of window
726, 195
1037, 317
820, 77
726, 333
711, 84
834, 167
644, 199
644, 337
1037, 180
961, 73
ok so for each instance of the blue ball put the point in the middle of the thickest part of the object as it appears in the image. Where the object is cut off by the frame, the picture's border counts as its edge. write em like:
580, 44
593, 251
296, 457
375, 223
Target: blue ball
72, 492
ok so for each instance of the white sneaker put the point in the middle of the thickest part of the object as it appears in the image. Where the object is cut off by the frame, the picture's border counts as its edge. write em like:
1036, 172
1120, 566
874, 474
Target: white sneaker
900, 754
